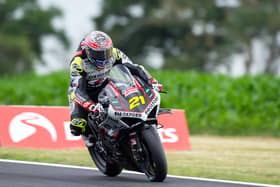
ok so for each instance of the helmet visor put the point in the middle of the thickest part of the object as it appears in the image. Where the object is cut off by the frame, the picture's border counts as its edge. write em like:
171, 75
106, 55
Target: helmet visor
99, 55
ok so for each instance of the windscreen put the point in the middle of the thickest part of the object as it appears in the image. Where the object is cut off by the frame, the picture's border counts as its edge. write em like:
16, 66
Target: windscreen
121, 76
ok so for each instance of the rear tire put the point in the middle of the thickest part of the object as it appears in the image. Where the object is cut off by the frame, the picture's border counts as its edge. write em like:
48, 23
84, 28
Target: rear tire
109, 169
155, 160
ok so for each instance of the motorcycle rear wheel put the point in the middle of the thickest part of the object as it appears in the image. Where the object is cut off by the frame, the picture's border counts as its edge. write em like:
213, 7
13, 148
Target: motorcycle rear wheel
109, 169
155, 163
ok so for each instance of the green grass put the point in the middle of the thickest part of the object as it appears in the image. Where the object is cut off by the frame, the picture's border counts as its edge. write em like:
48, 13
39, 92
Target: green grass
218, 104
247, 159
214, 104
31, 89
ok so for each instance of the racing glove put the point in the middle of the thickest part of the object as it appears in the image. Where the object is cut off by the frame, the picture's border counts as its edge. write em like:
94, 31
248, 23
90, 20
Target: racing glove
97, 109
77, 126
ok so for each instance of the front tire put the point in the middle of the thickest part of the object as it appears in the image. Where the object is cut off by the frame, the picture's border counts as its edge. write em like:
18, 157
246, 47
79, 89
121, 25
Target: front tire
109, 169
155, 164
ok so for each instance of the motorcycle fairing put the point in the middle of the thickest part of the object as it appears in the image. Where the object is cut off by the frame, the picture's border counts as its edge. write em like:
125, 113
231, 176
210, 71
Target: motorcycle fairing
137, 104
128, 98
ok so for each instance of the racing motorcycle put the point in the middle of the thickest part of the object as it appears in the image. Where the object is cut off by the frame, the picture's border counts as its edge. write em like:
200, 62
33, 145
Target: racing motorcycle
126, 137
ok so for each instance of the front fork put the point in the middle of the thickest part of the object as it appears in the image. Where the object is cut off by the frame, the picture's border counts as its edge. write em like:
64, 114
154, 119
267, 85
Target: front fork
136, 148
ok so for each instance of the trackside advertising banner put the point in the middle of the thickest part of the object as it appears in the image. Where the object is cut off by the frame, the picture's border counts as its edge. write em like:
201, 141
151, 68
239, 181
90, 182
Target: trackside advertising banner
48, 128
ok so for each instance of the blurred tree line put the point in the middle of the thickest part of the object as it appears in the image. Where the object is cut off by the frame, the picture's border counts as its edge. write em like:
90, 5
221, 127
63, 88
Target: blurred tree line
190, 34
23, 24
193, 34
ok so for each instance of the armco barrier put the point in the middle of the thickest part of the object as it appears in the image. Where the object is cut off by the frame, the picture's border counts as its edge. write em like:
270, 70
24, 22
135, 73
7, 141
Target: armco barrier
48, 127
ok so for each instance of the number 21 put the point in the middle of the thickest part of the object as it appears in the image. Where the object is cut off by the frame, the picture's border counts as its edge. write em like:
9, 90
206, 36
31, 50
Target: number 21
136, 101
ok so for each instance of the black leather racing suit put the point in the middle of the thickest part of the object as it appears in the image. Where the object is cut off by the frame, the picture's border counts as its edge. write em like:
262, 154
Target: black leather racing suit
87, 81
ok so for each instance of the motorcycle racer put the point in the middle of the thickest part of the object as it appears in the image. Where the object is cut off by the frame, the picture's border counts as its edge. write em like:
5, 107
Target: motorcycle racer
89, 72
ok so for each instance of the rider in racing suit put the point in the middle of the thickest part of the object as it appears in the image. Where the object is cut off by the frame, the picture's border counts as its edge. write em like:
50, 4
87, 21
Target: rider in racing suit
89, 71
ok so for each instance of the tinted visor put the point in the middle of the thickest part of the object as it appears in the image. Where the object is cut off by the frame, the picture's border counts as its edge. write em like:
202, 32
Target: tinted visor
101, 55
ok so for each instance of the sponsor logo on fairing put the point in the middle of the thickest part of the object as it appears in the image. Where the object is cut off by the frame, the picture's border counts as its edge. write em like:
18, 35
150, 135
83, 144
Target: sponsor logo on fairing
129, 91
128, 114
152, 105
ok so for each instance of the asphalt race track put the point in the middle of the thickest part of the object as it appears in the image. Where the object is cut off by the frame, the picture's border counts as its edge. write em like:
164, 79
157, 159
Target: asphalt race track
29, 174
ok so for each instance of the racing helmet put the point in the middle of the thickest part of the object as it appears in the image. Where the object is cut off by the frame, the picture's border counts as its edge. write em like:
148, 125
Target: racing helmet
99, 49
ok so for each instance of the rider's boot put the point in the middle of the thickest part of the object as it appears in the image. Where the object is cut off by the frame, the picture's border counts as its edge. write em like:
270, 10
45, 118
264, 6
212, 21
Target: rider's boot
87, 140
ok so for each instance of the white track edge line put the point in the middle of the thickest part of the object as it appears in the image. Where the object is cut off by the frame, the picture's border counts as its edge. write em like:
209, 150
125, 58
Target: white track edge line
133, 172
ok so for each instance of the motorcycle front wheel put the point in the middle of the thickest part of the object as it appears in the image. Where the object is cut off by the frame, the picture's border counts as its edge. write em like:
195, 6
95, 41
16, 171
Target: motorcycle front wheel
109, 169
155, 164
